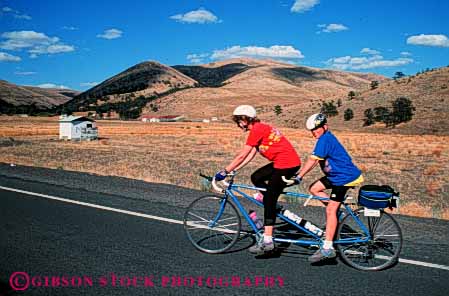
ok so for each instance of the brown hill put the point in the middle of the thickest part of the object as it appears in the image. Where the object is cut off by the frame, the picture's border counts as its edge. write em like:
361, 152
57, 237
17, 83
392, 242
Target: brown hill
212, 76
144, 79
264, 84
428, 92
43, 98
214, 89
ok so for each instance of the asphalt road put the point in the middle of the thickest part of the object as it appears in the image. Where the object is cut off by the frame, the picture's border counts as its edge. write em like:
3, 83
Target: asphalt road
58, 248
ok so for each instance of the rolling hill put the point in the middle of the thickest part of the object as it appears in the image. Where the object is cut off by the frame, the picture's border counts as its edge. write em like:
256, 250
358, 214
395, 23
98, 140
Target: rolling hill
428, 92
16, 96
217, 87
262, 83
144, 79
214, 89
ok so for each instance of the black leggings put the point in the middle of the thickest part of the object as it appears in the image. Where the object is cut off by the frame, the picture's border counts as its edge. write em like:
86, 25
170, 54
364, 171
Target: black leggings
270, 178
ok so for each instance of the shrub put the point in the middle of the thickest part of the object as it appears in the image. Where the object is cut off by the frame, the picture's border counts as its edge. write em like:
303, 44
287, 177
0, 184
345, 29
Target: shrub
381, 114
349, 114
369, 117
402, 110
351, 95
329, 109
277, 110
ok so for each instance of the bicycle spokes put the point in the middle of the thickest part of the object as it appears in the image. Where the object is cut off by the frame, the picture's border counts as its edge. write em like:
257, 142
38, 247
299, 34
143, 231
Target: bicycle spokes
212, 224
375, 250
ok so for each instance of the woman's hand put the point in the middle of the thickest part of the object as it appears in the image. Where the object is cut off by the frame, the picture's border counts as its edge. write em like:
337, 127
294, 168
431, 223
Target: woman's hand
221, 175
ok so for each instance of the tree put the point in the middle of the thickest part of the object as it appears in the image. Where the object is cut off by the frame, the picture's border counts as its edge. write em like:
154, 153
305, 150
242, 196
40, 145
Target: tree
277, 110
398, 75
351, 95
98, 112
369, 117
381, 114
374, 84
66, 111
349, 114
339, 103
402, 110
154, 107
32, 110
329, 109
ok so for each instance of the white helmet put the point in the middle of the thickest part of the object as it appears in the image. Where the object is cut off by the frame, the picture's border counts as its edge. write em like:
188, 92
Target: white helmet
315, 121
245, 110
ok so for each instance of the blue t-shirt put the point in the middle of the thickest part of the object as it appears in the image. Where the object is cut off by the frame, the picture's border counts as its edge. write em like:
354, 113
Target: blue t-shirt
335, 161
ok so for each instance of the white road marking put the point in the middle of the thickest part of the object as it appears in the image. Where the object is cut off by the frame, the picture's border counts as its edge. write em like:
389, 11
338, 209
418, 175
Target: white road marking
86, 204
432, 265
406, 261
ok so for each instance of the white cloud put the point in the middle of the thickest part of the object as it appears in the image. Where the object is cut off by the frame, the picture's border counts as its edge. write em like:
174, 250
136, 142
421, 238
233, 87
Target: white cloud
15, 13
51, 85
200, 16
197, 58
429, 40
51, 49
25, 39
6, 57
22, 16
332, 28
275, 51
88, 84
24, 73
303, 5
367, 50
110, 34
406, 53
69, 28
36, 43
360, 63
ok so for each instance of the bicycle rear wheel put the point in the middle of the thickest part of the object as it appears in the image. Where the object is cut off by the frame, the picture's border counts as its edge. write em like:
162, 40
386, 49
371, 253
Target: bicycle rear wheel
380, 251
212, 224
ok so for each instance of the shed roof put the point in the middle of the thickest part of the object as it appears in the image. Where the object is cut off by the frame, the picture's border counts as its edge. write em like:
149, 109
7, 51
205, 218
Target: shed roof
75, 118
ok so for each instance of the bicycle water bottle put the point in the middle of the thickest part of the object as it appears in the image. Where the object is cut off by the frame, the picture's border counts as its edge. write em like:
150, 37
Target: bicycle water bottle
258, 196
257, 221
314, 229
292, 216
303, 222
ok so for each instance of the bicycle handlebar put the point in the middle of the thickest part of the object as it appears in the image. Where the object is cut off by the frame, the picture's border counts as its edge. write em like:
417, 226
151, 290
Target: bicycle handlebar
221, 189
215, 186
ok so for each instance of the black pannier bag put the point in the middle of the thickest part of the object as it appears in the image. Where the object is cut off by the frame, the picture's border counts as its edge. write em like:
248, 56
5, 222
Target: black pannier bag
378, 196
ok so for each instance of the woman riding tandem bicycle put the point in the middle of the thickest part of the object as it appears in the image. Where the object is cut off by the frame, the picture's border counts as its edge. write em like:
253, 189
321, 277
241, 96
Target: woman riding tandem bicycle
285, 162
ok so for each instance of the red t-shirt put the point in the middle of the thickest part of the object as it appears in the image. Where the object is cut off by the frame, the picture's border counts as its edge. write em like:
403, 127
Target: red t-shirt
273, 145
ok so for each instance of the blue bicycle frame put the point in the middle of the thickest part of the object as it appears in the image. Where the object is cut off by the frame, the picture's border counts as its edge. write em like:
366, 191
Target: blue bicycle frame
232, 189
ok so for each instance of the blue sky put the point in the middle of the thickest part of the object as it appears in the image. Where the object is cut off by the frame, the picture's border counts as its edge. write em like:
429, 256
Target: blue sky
77, 44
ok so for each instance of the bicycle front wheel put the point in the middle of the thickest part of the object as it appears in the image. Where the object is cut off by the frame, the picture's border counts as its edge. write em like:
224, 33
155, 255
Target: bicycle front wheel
212, 224
382, 248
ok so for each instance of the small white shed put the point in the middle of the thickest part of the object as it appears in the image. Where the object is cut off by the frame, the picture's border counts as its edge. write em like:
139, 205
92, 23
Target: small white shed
77, 128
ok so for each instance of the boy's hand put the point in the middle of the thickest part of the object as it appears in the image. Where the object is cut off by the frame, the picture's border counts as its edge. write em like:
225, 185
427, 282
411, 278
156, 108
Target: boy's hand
296, 180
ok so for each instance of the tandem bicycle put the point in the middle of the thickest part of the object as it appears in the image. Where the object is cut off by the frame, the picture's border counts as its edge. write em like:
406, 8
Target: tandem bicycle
366, 239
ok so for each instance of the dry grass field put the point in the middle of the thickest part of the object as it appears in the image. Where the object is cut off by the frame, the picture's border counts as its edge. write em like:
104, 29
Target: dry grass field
175, 153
